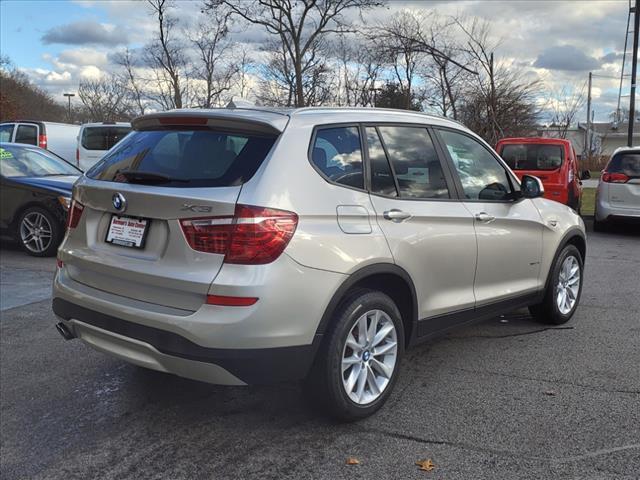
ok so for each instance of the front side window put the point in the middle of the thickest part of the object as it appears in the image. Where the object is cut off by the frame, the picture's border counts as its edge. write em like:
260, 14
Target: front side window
481, 174
531, 156
337, 154
184, 158
27, 134
415, 162
18, 161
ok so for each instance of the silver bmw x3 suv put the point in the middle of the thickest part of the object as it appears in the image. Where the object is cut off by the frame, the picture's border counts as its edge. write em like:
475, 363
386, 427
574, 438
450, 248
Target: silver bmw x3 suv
243, 246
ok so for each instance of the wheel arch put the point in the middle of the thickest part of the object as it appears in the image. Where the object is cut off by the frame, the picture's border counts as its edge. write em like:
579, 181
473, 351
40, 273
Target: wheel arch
576, 237
387, 278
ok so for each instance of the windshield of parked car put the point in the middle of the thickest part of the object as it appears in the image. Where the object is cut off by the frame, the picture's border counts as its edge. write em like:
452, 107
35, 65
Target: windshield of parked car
625, 162
18, 161
184, 158
532, 156
103, 138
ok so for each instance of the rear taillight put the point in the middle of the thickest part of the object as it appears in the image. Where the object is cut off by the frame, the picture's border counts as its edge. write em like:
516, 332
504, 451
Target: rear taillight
614, 177
253, 236
74, 214
42, 141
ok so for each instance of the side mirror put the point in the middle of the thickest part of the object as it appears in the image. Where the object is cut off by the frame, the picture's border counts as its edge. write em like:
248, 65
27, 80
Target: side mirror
531, 187
585, 174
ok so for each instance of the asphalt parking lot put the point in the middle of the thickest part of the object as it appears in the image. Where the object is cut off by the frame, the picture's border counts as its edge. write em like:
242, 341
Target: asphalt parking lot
504, 399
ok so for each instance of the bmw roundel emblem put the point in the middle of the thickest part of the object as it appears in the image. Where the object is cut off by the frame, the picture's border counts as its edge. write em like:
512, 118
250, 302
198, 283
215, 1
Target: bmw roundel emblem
119, 202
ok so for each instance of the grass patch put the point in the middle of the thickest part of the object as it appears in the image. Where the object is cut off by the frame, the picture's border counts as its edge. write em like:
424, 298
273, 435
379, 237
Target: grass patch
595, 174
588, 201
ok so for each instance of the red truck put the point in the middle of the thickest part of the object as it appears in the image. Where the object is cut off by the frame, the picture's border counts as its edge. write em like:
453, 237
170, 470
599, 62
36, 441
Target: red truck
552, 160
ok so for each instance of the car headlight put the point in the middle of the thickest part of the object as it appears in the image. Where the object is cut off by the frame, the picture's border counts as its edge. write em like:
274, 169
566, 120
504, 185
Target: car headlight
65, 202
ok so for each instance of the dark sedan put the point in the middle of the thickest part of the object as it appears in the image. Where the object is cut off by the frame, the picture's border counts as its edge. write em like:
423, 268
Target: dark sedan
35, 195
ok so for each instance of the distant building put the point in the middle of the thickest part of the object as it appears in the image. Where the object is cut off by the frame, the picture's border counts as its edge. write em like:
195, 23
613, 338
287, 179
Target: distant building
605, 136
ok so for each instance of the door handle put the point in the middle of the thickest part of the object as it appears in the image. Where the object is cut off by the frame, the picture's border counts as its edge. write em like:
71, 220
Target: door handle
396, 215
484, 217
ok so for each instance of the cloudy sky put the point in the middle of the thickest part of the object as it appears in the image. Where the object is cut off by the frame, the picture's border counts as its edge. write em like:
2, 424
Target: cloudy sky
57, 43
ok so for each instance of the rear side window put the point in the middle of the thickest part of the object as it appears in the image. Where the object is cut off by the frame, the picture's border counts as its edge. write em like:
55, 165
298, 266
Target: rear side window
626, 163
415, 162
381, 176
5, 132
184, 158
337, 154
102, 138
533, 156
27, 134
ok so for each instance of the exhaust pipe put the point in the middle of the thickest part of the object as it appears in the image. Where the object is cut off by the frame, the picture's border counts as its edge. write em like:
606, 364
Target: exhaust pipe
64, 331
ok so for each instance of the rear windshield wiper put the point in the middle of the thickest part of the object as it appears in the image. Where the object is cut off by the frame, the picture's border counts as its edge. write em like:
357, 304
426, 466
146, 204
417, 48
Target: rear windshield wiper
138, 176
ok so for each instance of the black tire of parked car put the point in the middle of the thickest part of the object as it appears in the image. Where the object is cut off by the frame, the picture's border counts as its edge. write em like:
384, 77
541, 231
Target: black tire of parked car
600, 226
323, 386
547, 311
57, 232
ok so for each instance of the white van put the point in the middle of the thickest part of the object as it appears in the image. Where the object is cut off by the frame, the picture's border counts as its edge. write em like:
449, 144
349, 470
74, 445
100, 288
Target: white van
59, 138
95, 139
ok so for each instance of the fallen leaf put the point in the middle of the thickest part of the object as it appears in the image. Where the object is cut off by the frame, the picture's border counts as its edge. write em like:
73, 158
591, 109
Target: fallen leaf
353, 461
426, 465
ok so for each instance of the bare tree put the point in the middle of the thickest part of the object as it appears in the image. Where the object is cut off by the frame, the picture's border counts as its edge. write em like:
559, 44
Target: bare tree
242, 81
167, 56
131, 80
398, 41
359, 67
213, 70
564, 105
299, 26
497, 102
105, 99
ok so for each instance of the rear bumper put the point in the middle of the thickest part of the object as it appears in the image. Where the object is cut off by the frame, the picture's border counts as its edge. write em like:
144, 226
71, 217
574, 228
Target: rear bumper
608, 211
169, 352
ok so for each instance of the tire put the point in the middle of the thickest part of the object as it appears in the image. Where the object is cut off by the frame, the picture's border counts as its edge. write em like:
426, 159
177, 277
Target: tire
556, 307
44, 230
600, 226
327, 385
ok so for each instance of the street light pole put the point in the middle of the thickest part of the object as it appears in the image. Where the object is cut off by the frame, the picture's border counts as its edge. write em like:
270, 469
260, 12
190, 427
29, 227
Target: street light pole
634, 67
69, 95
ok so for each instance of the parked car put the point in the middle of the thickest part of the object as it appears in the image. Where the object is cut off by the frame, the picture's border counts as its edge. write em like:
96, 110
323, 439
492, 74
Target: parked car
59, 138
618, 193
552, 160
36, 194
95, 139
242, 246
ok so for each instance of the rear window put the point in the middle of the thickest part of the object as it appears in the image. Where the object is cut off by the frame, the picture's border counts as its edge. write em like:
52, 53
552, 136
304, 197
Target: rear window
533, 156
102, 138
185, 158
627, 163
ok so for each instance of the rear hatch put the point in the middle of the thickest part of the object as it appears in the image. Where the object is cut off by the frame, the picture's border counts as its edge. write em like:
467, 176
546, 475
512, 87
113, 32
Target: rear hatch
544, 161
623, 176
132, 208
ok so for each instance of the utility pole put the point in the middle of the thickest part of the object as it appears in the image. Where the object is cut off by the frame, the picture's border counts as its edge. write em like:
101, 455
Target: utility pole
587, 133
634, 67
69, 95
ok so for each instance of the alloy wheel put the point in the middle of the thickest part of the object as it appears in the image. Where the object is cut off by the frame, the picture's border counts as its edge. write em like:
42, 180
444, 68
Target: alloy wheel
369, 357
36, 232
568, 285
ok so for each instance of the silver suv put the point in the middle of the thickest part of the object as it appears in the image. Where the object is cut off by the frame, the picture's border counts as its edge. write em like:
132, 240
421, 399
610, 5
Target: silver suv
242, 246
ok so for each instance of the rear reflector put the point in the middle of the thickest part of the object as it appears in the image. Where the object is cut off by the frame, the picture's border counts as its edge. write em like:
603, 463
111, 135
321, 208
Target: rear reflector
74, 214
614, 177
42, 141
252, 236
225, 301
59, 263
